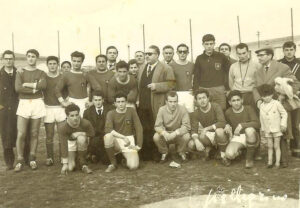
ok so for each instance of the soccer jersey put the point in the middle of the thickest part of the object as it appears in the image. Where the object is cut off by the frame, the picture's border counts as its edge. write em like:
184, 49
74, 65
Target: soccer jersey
50, 98
65, 131
183, 75
127, 124
294, 66
25, 76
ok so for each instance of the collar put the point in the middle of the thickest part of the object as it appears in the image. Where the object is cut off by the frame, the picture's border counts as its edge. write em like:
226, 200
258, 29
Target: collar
294, 58
213, 53
101, 72
74, 127
239, 111
75, 72
152, 65
207, 110
182, 63
123, 83
173, 111
120, 111
97, 109
57, 74
111, 63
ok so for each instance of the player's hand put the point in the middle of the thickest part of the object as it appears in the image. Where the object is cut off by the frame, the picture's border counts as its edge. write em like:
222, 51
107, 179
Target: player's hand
228, 129
166, 136
151, 86
282, 128
28, 85
259, 103
64, 169
238, 130
134, 147
203, 132
127, 142
199, 145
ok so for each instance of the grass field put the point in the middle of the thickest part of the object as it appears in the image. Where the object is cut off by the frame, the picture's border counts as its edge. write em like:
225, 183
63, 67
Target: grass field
151, 183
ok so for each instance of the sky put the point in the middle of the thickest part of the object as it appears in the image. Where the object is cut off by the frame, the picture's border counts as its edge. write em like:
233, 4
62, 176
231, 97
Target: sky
35, 24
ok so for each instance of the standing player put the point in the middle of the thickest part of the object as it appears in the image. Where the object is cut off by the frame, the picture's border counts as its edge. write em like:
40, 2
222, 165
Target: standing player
30, 82
122, 127
74, 134
8, 107
123, 82
55, 113
208, 124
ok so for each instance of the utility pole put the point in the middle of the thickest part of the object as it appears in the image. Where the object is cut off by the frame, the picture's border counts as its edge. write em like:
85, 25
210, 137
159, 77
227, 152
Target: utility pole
258, 41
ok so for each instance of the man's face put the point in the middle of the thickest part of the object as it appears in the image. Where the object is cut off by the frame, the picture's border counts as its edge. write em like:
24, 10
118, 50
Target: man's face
236, 102
289, 52
133, 69
31, 59
151, 56
101, 64
172, 103
182, 53
242, 54
8, 60
112, 55
209, 46
225, 50
120, 103
202, 100
65, 67
74, 118
52, 66
76, 63
122, 74
98, 101
139, 57
168, 54
263, 57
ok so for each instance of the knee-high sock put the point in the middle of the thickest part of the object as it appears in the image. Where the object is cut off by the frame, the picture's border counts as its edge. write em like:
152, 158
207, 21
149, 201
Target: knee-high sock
81, 158
49, 148
111, 155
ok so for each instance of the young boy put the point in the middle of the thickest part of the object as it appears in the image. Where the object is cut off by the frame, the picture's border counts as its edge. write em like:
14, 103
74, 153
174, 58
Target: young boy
74, 134
30, 82
55, 113
122, 125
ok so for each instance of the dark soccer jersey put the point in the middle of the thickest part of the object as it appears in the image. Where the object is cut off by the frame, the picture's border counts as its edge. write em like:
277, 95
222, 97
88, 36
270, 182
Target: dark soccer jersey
294, 66
183, 75
50, 98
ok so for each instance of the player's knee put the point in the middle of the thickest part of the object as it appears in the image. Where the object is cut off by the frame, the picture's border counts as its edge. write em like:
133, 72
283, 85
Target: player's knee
230, 154
34, 133
108, 140
156, 137
186, 137
250, 132
133, 162
82, 143
220, 136
191, 145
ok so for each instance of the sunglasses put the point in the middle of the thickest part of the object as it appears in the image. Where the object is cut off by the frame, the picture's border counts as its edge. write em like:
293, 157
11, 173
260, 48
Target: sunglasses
185, 52
262, 54
149, 53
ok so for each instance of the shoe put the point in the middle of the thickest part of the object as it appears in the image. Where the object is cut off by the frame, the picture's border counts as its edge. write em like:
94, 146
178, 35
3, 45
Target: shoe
33, 165
163, 158
110, 168
86, 169
258, 158
249, 164
49, 162
284, 165
18, 167
276, 166
270, 166
225, 162
183, 157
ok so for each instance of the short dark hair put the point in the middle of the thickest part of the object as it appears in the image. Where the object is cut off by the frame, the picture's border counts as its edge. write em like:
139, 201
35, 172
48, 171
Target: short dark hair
155, 48
234, 93
225, 44
168, 47
208, 37
9, 52
122, 64
72, 107
241, 46
132, 61
97, 93
171, 94
34, 51
265, 90
66, 62
201, 91
182, 45
52, 58
120, 95
101, 56
78, 54
140, 52
111, 47
289, 44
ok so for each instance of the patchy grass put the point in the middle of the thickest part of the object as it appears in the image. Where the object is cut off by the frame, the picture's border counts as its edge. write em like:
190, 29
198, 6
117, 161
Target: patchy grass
151, 183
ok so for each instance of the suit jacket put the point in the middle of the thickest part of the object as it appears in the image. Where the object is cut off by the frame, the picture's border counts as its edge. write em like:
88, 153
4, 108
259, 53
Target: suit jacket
97, 121
276, 70
164, 80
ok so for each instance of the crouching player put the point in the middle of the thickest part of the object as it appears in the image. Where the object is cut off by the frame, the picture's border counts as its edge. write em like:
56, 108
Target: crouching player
208, 124
74, 134
120, 127
242, 128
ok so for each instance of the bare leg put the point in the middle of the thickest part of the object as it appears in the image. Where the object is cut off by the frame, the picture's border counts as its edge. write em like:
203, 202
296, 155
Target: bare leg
35, 127
277, 150
22, 131
71, 160
270, 151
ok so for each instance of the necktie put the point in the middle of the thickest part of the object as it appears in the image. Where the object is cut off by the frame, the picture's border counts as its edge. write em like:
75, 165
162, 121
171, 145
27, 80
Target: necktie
10, 74
267, 68
148, 70
99, 112
111, 65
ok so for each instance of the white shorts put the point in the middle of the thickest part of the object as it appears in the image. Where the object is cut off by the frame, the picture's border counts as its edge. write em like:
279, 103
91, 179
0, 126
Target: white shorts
240, 139
121, 144
31, 108
54, 114
77, 144
211, 136
81, 104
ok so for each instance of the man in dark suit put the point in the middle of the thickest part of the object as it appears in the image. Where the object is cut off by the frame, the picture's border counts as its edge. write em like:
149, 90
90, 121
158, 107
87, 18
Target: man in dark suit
269, 70
96, 114
154, 81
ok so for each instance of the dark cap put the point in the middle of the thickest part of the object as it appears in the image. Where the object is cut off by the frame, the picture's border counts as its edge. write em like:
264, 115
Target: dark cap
268, 50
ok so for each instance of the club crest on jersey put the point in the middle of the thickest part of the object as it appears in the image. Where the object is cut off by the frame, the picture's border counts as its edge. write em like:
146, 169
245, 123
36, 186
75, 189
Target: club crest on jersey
217, 66
187, 73
128, 121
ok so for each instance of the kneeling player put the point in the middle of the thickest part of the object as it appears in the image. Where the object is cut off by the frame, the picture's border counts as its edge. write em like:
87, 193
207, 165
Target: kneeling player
74, 134
207, 126
120, 127
242, 127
